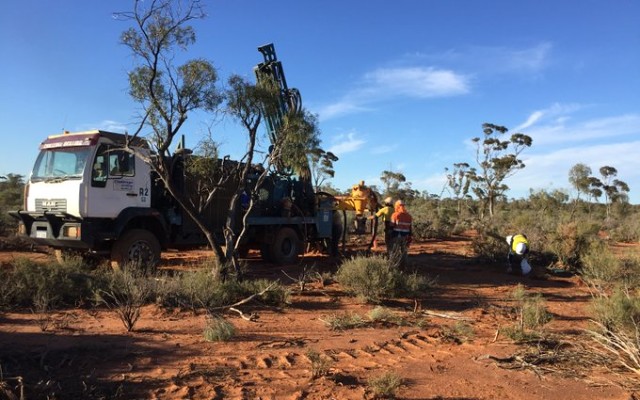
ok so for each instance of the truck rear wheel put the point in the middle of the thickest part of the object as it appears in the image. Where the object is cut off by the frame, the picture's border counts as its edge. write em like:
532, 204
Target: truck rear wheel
286, 246
138, 248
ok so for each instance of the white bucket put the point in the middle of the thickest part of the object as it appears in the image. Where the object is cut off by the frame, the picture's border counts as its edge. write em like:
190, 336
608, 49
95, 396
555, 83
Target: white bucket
526, 268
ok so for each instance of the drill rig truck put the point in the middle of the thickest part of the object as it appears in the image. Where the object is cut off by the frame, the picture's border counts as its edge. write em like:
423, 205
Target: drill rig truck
88, 195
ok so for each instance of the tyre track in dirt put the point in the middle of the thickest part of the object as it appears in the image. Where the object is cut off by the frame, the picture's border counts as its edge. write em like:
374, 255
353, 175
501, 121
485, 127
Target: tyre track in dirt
271, 354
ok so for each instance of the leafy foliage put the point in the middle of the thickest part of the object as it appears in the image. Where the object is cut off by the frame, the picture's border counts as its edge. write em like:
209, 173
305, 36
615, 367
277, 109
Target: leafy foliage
396, 186
125, 293
320, 365
371, 278
497, 160
11, 197
375, 278
385, 385
321, 166
68, 284
218, 329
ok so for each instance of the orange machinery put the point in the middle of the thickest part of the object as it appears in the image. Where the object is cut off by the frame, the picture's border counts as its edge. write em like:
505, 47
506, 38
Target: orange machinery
361, 200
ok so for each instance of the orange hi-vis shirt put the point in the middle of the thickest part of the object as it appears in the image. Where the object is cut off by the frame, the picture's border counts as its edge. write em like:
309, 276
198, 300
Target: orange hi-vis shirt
401, 221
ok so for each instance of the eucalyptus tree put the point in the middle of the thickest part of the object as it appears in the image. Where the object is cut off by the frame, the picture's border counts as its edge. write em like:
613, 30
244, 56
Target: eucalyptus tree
614, 189
579, 179
168, 92
459, 181
497, 160
396, 186
322, 166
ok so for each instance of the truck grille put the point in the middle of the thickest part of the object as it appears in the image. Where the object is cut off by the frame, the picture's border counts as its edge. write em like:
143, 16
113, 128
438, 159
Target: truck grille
51, 205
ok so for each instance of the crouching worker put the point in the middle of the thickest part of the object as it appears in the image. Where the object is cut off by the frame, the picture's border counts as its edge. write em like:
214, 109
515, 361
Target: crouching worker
400, 235
518, 251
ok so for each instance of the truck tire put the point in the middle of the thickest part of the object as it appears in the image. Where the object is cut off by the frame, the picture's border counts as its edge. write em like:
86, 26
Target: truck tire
286, 246
136, 247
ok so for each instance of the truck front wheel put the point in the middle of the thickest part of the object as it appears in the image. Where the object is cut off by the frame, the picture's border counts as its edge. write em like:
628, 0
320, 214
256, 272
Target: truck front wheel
286, 246
138, 248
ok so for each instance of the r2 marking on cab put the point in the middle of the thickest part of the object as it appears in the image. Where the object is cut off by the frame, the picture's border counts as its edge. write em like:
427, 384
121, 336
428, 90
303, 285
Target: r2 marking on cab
144, 193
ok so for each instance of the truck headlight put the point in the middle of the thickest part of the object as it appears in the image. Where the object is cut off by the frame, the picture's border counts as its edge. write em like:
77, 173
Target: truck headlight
71, 232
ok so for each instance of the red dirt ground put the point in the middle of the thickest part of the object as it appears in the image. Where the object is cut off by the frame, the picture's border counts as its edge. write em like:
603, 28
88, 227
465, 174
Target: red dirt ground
86, 353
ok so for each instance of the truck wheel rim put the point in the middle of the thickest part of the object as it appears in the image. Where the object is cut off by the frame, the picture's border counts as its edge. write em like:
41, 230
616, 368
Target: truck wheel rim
140, 252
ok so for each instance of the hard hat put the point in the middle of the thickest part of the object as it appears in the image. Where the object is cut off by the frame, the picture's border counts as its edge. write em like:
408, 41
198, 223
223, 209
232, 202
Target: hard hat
388, 201
521, 248
399, 203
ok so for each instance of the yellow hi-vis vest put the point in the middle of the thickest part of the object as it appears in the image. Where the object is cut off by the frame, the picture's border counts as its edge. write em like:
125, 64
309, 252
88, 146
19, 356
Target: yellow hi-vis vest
516, 240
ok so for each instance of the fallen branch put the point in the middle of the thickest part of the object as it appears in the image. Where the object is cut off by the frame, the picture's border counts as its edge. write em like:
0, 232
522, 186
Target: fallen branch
625, 349
448, 316
497, 334
232, 307
251, 317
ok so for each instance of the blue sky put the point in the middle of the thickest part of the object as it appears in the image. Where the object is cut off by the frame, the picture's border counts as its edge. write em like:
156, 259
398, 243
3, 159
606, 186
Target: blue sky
399, 86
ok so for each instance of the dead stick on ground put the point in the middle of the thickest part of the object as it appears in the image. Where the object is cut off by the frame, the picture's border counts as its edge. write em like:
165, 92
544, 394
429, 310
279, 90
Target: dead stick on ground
233, 306
497, 334
252, 317
448, 316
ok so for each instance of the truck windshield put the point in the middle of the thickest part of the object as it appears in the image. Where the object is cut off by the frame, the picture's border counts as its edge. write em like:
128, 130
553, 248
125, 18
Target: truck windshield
60, 164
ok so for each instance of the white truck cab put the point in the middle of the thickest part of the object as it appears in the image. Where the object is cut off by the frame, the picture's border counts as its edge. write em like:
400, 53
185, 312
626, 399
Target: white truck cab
83, 190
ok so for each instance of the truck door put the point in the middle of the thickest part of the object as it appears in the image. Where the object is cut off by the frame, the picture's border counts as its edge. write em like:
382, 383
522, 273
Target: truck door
118, 180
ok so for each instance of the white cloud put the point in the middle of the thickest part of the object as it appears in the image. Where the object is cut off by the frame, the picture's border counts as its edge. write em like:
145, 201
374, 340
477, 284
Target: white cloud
386, 83
106, 125
552, 169
491, 60
558, 111
418, 82
383, 149
346, 144
434, 183
558, 131
533, 118
531, 59
339, 109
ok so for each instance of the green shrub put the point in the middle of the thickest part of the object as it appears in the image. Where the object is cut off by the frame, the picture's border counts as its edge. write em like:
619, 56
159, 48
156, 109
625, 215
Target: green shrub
618, 312
600, 266
534, 312
488, 245
630, 270
375, 278
199, 288
626, 229
384, 386
569, 241
203, 289
218, 329
277, 295
370, 278
344, 321
320, 365
127, 290
67, 284
616, 318
413, 285
382, 314
459, 333
531, 313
